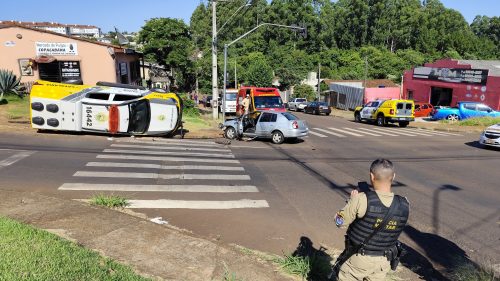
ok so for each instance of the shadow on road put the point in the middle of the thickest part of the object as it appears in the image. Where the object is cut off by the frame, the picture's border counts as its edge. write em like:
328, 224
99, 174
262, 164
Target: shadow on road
319, 260
476, 144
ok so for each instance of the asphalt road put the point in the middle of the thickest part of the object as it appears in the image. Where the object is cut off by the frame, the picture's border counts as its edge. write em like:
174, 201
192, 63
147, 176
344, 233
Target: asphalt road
266, 196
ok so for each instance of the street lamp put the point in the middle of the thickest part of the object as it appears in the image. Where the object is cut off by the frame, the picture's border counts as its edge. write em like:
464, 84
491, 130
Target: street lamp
303, 33
215, 91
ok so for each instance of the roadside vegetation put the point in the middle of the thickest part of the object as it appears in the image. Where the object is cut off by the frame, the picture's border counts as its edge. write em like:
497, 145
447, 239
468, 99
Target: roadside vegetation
315, 267
28, 253
110, 201
16, 108
193, 118
470, 272
478, 121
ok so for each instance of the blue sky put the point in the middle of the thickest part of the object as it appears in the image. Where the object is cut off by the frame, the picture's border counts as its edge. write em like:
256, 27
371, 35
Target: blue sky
129, 15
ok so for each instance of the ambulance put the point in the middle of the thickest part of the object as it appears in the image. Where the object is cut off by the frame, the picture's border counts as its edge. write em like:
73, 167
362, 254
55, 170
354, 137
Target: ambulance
105, 108
261, 99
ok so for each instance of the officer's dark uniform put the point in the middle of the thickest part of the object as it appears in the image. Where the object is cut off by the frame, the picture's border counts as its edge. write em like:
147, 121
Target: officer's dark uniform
363, 213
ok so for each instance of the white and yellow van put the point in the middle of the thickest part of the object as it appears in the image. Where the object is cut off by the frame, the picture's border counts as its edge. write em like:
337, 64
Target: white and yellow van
105, 108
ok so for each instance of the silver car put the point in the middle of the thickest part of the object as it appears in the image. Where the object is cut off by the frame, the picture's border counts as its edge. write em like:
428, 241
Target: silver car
277, 126
491, 136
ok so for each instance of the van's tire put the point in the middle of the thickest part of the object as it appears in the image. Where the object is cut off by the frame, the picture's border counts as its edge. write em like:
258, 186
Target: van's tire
381, 120
277, 137
230, 133
403, 124
357, 117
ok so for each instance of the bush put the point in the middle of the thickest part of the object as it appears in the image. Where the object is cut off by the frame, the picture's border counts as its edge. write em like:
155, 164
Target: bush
304, 91
9, 84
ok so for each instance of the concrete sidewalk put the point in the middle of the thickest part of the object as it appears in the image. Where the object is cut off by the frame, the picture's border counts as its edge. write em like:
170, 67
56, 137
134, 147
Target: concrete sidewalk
153, 250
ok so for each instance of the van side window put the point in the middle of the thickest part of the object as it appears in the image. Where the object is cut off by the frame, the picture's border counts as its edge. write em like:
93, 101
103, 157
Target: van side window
119, 97
408, 106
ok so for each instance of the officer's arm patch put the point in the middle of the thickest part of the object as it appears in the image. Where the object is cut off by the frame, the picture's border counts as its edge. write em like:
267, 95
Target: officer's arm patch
339, 219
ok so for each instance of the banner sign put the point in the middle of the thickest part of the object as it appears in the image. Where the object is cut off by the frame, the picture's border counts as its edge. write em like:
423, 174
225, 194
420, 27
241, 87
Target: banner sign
56, 49
70, 70
452, 75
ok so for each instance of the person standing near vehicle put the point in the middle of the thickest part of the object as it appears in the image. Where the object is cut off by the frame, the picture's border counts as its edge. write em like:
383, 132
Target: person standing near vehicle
246, 104
375, 220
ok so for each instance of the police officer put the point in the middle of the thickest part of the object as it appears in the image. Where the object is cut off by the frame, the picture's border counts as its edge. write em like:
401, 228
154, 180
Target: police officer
362, 214
246, 104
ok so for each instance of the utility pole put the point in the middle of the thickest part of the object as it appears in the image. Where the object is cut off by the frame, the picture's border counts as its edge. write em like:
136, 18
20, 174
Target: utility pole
235, 77
215, 90
319, 81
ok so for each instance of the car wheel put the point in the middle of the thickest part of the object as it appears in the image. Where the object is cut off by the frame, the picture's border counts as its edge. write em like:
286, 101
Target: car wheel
328, 113
381, 120
357, 117
230, 133
403, 124
277, 137
452, 117
316, 112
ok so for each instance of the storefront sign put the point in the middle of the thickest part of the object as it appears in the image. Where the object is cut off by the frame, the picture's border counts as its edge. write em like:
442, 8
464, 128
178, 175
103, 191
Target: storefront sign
452, 75
70, 70
56, 49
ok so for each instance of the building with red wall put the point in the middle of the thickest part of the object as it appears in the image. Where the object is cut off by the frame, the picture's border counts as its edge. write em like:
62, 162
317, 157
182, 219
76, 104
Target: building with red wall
446, 82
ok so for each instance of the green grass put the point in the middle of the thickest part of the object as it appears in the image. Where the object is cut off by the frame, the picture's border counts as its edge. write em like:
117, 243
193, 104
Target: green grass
17, 108
314, 268
478, 121
110, 201
27, 253
469, 272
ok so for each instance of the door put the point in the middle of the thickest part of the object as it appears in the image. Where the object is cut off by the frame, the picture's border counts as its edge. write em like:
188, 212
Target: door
265, 125
369, 109
441, 96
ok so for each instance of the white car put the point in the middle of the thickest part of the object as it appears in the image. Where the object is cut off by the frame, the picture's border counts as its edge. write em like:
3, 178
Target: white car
491, 136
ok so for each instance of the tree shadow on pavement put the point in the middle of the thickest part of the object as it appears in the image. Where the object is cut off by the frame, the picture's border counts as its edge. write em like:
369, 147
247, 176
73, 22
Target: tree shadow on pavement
319, 260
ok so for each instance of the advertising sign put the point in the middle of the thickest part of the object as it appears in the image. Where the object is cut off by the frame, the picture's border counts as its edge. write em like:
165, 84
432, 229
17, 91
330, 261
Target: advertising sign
56, 49
70, 70
452, 75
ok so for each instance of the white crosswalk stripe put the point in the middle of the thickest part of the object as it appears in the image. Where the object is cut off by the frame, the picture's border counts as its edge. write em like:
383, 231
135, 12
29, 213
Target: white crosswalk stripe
345, 132
363, 132
317, 134
163, 167
131, 161
379, 132
330, 132
176, 148
160, 188
124, 151
393, 131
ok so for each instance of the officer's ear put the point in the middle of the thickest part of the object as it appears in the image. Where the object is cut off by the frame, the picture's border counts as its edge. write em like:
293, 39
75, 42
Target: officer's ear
393, 177
372, 177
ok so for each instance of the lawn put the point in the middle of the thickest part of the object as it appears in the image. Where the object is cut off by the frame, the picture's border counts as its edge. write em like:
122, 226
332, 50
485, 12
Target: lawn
16, 107
27, 253
478, 121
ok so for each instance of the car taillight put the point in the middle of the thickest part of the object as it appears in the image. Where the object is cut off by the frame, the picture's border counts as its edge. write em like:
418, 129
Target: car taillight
392, 111
114, 119
295, 125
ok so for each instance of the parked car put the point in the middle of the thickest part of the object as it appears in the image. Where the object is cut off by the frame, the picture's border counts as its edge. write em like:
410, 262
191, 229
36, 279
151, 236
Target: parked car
386, 111
491, 136
277, 126
318, 107
423, 109
464, 110
297, 104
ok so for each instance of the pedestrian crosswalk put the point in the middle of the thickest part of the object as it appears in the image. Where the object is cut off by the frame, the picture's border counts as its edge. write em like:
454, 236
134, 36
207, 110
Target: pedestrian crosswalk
167, 167
374, 131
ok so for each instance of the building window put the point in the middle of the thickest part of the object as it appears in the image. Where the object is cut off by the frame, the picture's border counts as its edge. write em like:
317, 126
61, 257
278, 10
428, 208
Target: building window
61, 72
410, 95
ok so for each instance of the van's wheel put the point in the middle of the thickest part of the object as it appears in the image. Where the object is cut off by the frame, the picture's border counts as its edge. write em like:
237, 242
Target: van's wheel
403, 124
230, 133
277, 137
381, 120
357, 117
452, 117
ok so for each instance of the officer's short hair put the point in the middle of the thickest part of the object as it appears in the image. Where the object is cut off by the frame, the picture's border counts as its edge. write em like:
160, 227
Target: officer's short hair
382, 169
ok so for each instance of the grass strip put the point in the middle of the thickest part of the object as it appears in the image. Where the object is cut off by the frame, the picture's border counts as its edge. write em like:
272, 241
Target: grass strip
27, 253
110, 201
476, 121
16, 107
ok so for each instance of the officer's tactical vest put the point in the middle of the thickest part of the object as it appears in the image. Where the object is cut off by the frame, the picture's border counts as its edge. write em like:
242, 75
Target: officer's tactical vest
386, 237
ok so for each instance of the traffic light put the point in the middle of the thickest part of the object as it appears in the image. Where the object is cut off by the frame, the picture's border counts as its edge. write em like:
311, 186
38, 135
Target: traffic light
303, 32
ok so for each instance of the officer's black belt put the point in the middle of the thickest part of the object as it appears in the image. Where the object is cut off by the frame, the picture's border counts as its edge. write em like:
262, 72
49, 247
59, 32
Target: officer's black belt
372, 253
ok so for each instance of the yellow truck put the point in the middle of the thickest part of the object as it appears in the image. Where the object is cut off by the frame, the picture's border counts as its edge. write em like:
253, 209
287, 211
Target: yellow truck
105, 108
386, 111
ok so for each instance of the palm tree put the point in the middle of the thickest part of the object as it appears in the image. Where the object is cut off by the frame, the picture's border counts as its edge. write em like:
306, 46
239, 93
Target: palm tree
9, 83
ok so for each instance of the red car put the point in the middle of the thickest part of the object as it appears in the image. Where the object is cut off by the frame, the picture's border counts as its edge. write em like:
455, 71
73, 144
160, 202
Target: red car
423, 109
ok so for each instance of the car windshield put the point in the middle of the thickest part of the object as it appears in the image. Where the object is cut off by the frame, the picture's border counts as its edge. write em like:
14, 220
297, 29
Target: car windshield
139, 117
289, 116
268, 102
322, 104
301, 100
231, 97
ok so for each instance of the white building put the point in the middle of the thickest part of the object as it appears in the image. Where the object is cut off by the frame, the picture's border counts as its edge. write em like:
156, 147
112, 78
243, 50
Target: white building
65, 29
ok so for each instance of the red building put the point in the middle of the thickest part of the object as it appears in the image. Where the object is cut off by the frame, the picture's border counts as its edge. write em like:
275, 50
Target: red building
446, 82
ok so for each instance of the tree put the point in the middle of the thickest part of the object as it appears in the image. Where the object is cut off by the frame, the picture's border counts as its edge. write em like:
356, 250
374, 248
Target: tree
168, 42
258, 72
304, 91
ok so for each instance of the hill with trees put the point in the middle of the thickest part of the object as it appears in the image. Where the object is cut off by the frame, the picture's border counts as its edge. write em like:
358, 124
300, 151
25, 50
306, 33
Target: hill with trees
391, 35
